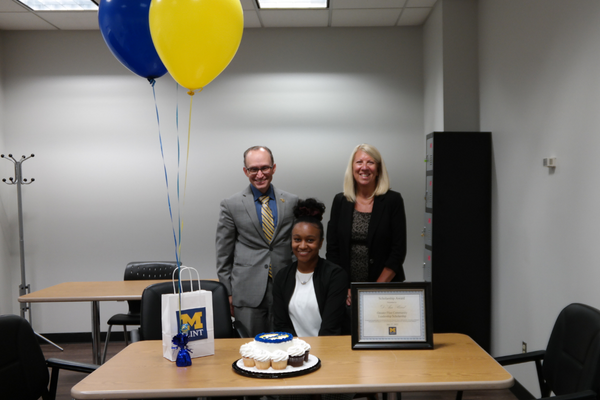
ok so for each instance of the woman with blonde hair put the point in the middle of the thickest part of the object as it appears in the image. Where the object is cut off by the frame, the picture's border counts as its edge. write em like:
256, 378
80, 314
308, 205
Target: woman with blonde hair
366, 233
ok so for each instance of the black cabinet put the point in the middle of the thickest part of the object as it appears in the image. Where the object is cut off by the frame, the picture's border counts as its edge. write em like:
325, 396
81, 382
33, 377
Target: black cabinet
457, 232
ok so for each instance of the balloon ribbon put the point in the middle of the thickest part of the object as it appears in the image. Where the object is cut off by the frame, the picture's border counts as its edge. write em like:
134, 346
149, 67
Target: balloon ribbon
152, 82
177, 247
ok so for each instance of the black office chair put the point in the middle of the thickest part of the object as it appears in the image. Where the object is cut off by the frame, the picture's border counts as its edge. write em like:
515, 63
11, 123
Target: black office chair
151, 327
138, 271
571, 361
23, 369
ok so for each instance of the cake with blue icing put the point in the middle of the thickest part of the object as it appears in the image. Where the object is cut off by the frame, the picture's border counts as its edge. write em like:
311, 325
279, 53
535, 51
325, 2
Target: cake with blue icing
277, 350
272, 341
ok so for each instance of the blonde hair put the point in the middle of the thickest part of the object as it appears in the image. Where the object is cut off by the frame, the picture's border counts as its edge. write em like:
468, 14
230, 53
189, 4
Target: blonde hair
383, 180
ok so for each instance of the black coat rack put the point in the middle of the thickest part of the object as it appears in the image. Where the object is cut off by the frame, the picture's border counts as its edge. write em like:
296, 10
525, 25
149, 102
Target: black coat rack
18, 180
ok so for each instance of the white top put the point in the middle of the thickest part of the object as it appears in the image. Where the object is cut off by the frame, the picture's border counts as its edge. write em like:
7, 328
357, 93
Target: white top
303, 307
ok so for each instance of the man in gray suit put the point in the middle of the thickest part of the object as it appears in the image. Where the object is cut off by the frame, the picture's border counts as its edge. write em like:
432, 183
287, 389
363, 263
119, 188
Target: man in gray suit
254, 241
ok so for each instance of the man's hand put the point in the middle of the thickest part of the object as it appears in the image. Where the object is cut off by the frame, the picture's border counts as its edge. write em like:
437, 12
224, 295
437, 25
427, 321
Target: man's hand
231, 305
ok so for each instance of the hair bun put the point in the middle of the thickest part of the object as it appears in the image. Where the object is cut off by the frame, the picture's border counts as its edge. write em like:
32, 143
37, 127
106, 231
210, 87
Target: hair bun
309, 208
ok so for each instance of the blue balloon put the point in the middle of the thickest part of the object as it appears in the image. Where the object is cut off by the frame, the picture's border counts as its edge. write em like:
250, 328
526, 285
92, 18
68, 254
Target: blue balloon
126, 30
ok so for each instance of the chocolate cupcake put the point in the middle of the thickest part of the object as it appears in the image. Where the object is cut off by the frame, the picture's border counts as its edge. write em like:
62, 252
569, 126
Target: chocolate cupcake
296, 356
304, 345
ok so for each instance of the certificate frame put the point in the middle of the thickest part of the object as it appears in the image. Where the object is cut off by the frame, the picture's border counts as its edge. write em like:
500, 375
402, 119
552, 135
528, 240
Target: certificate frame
403, 317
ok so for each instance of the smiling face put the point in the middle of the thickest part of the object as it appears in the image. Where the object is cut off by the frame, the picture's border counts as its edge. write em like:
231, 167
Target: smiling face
259, 160
364, 170
306, 243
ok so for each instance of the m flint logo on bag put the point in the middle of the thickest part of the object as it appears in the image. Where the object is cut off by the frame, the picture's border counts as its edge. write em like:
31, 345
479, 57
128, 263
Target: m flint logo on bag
195, 318
391, 330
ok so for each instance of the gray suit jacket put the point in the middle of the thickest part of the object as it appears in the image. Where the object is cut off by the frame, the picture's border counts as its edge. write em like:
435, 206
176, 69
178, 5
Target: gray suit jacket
243, 252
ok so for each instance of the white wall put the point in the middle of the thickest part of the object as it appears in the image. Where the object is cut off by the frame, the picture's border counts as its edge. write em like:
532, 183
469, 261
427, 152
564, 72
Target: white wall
451, 78
540, 96
6, 171
433, 56
99, 199
461, 78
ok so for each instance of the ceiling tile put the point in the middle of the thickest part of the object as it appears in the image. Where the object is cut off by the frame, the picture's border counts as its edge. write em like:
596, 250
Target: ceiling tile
420, 3
414, 16
251, 19
378, 17
337, 4
295, 18
10, 5
247, 4
72, 20
23, 21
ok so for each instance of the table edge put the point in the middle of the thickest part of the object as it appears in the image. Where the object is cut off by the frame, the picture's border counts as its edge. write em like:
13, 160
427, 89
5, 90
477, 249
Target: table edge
34, 296
321, 389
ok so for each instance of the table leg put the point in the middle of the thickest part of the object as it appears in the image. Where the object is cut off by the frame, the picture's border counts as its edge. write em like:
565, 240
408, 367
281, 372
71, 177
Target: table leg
96, 357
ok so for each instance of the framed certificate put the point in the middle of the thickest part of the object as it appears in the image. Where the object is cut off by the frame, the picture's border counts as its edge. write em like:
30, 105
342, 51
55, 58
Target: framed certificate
392, 316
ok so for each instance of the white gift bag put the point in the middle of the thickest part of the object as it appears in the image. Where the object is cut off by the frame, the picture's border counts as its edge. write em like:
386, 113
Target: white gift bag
196, 311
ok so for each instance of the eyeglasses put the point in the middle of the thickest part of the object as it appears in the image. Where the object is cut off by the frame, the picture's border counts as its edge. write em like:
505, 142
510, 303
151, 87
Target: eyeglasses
254, 170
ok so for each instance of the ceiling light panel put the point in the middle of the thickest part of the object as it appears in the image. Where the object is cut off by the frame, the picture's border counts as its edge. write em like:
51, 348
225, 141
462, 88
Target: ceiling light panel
346, 4
292, 4
60, 5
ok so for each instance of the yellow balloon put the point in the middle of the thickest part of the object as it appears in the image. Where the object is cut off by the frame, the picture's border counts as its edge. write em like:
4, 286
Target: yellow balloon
196, 39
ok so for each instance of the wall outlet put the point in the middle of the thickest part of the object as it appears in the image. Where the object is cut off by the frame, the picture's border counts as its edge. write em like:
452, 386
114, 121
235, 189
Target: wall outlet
524, 347
550, 162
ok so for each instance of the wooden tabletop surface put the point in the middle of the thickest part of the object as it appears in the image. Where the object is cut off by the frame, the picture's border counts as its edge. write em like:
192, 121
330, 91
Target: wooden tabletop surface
90, 291
455, 363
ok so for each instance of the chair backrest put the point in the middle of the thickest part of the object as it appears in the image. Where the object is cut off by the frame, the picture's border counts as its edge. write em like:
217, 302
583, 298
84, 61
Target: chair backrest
147, 270
151, 327
23, 371
572, 360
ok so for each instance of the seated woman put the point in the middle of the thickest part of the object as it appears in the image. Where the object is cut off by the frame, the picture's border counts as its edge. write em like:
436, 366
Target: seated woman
309, 296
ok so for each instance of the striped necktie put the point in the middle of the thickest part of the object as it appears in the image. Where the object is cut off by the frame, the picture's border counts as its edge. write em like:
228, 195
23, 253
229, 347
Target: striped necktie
267, 218
267, 223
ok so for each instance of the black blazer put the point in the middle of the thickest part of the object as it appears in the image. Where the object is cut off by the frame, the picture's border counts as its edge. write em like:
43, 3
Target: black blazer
330, 283
386, 238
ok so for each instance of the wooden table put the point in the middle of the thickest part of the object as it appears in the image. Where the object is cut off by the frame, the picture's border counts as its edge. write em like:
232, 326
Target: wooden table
455, 363
95, 292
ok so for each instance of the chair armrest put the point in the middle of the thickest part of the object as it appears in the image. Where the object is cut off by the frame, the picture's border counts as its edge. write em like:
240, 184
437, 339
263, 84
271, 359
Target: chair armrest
58, 364
583, 395
536, 357
521, 357
71, 365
